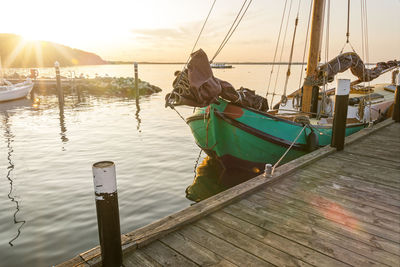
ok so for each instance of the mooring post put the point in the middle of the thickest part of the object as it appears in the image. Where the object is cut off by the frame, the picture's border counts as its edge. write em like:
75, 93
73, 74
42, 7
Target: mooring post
340, 117
105, 190
396, 104
60, 93
268, 170
136, 81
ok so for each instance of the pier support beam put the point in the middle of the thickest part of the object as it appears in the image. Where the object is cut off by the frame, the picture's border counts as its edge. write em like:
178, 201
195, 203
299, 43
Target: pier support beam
396, 104
340, 117
105, 187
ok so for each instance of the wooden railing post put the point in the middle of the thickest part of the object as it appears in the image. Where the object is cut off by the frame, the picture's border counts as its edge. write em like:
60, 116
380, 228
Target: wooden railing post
340, 117
396, 104
105, 188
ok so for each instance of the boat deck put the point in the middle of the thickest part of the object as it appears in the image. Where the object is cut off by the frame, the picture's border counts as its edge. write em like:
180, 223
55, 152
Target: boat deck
341, 210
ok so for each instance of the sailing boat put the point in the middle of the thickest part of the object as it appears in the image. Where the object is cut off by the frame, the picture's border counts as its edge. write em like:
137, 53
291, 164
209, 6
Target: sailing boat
249, 135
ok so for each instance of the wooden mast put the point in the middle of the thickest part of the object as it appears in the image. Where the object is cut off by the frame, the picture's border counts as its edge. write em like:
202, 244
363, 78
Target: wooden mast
314, 52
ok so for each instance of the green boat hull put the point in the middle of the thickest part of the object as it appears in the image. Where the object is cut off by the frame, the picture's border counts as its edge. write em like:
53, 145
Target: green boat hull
246, 138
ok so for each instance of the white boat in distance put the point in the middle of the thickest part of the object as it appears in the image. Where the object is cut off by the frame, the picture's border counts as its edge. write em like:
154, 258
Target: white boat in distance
220, 66
10, 91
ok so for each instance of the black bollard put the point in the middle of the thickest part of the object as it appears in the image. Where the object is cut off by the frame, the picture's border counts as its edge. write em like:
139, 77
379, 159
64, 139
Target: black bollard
60, 93
105, 187
136, 81
340, 117
396, 104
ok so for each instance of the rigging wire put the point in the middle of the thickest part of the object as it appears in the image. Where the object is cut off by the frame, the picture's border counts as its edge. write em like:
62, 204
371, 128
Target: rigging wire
284, 98
276, 48
282, 48
232, 29
305, 44
187, 61
324, 87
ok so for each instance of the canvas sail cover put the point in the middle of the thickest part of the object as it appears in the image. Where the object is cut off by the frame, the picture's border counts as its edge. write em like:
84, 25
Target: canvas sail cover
196, 86
352, 61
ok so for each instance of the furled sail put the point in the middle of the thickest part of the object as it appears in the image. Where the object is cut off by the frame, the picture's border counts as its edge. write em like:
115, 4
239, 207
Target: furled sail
352, 61
196, 86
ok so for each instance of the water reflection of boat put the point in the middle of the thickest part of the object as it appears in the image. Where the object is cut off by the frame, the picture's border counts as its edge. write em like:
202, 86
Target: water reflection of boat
212, 177
10, 138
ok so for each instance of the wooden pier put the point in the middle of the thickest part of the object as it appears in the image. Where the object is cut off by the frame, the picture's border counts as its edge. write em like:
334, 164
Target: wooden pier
326, 208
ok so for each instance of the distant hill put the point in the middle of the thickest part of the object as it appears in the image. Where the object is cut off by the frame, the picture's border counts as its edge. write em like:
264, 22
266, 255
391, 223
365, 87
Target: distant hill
15, 53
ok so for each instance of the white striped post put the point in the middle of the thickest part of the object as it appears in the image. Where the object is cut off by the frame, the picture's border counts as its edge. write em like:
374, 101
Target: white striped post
340, 117
105, 189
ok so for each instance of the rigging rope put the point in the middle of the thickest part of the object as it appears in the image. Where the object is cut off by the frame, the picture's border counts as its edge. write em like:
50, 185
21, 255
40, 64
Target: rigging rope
280, 57
232, 29
187, 61
276, 48
284, 98
324, 96
305, 44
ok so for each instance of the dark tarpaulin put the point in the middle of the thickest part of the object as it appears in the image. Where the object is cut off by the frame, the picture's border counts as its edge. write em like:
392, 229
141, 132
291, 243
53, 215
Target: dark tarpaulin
196, 86
353, 62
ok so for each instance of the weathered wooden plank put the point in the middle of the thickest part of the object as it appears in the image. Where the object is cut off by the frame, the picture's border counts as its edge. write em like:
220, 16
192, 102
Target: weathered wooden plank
385, 178
253, 246
221, 247
139, 258
165, 255
303, 182
364, 161
309, 195
279, 242
306, 237
323, 177
344, 180
340, 223
320, 206
194, 251
380, 153
308, 224
76, 261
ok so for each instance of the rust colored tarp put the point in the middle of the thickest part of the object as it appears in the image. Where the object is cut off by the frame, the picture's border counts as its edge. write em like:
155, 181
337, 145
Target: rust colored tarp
196, 86
353, 62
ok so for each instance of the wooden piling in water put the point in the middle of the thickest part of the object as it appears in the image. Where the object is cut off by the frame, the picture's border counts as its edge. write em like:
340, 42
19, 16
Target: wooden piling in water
105, 186
60, 93
396, 104
339, 119
136, 81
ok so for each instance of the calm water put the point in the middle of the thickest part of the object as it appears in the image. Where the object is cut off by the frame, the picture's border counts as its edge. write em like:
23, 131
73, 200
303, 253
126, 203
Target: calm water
47, 209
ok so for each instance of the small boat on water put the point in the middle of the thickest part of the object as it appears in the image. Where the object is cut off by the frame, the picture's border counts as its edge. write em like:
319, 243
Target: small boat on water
10, 91
220, 66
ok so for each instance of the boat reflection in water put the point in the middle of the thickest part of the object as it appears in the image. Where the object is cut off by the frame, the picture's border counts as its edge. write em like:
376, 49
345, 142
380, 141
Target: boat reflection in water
212, 178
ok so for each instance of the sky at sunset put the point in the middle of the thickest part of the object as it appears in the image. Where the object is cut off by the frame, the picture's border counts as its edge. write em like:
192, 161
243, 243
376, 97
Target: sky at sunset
161, 30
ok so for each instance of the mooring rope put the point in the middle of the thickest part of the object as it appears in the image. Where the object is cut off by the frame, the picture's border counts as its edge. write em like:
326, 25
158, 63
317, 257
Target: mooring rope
287, 150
